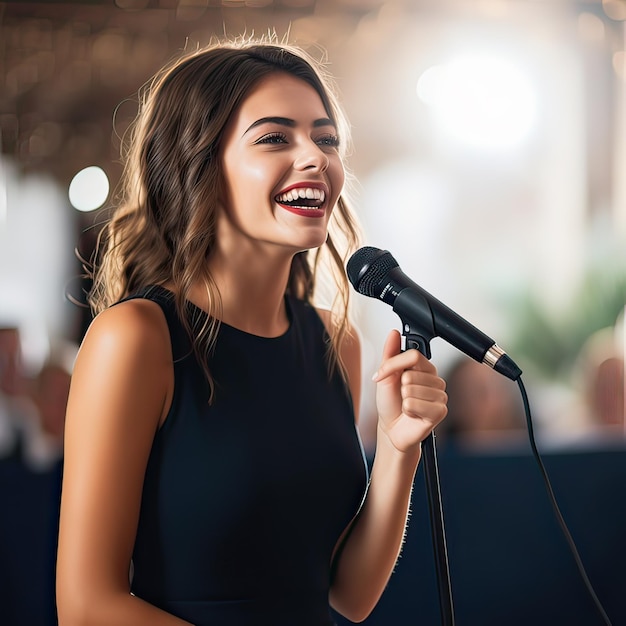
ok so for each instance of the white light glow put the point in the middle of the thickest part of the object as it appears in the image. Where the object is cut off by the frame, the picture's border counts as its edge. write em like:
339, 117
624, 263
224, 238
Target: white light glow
89, 189
3, 195
481, 101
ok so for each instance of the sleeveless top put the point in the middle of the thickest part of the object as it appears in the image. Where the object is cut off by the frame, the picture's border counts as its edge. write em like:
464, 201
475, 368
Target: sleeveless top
244, 499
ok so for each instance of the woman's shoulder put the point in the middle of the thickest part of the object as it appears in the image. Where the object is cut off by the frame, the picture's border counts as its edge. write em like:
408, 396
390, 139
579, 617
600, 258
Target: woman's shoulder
327, 318
131, 325
349, 353
350, 346
124, 365
331, 324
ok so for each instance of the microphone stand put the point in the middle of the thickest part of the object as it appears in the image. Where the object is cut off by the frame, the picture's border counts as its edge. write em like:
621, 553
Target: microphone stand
419, 341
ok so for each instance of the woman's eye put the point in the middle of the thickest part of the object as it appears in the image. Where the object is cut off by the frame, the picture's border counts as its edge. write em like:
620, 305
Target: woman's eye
273, 138
328, 140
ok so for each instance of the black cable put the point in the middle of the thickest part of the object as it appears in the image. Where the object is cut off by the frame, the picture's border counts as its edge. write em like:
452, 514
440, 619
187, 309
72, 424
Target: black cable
555, 506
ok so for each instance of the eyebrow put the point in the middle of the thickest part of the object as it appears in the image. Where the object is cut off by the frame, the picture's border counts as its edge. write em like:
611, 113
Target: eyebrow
286, 121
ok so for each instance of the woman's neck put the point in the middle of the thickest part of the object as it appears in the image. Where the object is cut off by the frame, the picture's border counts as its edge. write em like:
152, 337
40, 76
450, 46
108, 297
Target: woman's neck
252, 294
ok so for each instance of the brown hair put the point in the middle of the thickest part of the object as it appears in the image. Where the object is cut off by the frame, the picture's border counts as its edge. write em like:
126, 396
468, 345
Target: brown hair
164, 226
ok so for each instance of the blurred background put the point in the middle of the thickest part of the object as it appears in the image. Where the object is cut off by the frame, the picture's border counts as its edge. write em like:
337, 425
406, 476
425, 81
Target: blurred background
489, 156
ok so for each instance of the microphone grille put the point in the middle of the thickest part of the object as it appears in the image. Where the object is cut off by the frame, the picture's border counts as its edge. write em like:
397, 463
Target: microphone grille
367, 268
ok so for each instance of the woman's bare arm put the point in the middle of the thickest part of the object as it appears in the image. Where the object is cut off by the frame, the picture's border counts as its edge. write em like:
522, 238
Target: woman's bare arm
411, 400
120, 392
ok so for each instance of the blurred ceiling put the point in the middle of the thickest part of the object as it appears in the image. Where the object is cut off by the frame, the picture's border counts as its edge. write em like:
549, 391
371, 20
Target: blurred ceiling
69, 70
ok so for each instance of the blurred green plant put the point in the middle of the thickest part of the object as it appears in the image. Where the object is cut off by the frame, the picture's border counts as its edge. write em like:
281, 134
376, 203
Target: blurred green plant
550, 343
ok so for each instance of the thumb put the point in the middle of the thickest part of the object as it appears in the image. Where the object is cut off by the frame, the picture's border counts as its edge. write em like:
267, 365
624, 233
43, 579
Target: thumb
391, 348
387, 378
393, 345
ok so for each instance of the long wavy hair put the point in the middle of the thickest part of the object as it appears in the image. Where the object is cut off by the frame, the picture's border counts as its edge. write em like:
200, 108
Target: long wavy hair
163, 228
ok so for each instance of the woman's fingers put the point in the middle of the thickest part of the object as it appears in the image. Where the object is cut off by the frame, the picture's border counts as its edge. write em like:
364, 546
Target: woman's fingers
395, 361
430, 405
408, 389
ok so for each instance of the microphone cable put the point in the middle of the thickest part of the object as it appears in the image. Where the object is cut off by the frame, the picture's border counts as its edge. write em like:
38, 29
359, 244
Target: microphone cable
555, 506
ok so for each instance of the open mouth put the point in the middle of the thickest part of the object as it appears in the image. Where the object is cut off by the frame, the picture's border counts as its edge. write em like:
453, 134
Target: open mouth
302, 198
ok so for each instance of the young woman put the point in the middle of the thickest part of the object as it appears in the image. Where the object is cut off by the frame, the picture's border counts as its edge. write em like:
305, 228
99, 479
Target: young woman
213, 473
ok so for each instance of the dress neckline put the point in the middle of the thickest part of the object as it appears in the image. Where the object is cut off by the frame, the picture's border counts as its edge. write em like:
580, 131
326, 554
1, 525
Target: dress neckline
196, 310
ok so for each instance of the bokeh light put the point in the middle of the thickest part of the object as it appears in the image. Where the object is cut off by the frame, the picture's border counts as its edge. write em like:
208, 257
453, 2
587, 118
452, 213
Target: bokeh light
89, 189
480, 100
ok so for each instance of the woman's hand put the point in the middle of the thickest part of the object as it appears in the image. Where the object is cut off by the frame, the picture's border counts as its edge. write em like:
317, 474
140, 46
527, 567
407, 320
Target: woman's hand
410, 396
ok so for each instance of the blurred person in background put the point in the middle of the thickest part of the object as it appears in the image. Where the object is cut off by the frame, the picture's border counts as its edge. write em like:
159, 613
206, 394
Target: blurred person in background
485, 412
30, 484
32, 409
211, 444
16, 408
43, 432
599, 379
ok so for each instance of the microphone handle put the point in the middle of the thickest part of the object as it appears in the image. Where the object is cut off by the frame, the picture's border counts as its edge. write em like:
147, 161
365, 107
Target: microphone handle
429, 318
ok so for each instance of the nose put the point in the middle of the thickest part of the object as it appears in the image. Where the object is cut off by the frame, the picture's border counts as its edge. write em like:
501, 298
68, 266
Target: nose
311, 157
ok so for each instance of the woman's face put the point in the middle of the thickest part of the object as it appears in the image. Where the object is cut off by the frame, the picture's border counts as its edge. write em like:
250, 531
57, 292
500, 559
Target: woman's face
282, 169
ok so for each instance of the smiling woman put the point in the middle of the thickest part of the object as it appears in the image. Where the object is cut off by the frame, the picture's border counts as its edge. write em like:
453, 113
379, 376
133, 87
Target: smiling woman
279, 169
211, 447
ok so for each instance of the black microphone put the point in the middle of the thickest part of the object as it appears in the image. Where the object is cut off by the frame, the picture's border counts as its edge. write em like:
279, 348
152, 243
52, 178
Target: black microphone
376, 273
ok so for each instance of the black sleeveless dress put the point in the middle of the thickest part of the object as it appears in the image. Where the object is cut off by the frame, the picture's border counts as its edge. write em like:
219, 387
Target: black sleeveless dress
245, 499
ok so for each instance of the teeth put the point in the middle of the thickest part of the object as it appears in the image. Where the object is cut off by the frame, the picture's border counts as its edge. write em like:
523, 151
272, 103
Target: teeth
306, 193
